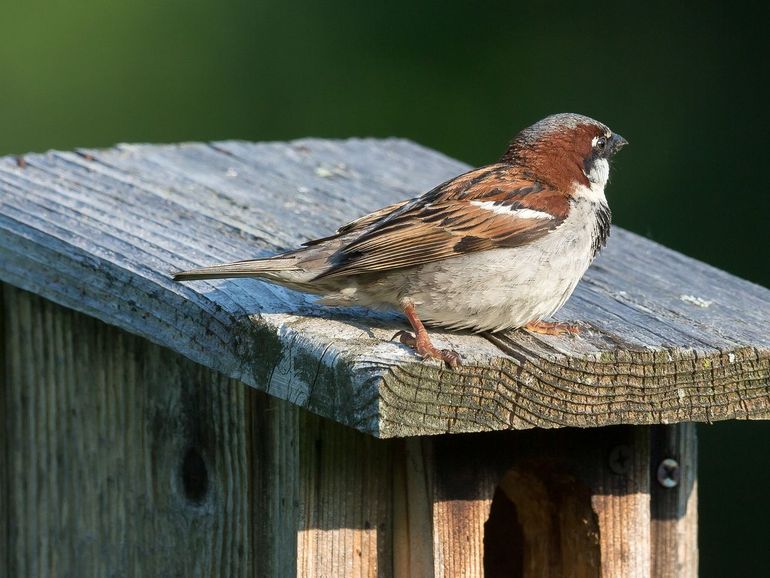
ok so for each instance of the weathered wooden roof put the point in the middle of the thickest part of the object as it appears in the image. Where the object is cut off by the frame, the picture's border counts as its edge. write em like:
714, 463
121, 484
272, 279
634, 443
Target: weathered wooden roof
666, 338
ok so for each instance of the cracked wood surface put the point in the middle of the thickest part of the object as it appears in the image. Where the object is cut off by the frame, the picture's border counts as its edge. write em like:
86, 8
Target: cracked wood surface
665, 338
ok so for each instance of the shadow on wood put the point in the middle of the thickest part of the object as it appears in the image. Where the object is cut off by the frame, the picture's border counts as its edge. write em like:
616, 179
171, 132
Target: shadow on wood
541, 524
568, 502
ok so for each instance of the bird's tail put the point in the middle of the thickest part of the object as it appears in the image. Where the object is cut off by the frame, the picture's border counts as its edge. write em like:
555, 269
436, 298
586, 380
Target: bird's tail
276, 268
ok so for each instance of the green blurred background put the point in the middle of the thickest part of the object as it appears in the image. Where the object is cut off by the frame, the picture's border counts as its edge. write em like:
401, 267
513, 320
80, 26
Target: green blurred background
686, 84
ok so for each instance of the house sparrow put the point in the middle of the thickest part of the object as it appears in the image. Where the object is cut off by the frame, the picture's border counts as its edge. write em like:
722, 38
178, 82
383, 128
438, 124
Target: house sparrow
499, 247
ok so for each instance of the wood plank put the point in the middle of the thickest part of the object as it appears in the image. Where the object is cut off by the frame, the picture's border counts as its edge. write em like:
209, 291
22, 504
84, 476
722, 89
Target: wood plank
461, 492
345, 492
667, 339
621, 501
674, 484
413, 520
123, 458
544, 504
274, 485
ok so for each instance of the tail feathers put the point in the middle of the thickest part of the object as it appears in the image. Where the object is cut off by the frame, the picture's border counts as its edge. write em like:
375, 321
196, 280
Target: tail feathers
254, 268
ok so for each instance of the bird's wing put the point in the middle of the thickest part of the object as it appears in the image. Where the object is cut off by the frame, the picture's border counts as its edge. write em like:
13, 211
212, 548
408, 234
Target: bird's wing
359, 224
491, 207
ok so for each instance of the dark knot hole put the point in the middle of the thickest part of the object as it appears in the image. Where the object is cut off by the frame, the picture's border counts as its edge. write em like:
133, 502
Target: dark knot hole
195, 476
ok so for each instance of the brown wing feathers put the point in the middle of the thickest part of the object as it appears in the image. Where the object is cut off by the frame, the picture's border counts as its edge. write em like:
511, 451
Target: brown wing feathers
359, 224
464, 215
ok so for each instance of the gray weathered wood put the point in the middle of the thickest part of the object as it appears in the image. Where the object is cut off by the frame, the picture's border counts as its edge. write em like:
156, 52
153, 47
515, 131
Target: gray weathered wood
667, 339
121, 458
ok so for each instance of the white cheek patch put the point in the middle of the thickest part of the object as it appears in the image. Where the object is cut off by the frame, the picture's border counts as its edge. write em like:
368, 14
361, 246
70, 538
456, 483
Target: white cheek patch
600, 172
506, 210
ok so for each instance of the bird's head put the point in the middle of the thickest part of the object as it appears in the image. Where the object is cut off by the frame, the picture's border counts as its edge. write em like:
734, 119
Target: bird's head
566, 149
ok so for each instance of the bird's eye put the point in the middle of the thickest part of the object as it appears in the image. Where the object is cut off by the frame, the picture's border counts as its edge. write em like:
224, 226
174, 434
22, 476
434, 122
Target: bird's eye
601, 143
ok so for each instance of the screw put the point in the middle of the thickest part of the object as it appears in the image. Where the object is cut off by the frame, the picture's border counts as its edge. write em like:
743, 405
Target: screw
669, 473
620, 459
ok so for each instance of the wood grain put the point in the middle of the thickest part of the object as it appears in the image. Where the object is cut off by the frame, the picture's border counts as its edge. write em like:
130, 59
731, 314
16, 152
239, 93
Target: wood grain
674, 529
345, 492
462, 487
666, 339
548, 504
413, 538
621, 501
122, 458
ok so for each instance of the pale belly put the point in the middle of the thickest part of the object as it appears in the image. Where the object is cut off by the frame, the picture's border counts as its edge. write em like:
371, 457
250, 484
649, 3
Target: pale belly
508, 288
496, 290
490, 290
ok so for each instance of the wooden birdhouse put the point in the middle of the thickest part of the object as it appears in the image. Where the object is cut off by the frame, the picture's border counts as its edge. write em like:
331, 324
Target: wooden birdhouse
235, 428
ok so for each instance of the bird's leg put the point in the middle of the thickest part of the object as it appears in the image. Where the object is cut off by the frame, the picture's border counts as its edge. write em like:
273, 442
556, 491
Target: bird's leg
548, 328
420, 341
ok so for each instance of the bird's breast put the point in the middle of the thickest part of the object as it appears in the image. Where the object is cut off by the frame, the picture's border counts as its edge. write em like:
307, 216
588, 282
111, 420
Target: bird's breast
507, 288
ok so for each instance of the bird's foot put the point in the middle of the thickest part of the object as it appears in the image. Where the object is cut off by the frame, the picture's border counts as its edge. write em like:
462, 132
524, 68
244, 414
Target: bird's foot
548, 328
425, 349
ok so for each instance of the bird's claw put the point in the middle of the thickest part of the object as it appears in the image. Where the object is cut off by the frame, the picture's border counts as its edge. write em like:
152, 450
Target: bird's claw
450, 357
426, 350
406, 338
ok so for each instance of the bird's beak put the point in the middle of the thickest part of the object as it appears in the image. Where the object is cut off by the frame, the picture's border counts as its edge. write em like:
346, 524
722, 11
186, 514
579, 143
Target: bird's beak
617, 142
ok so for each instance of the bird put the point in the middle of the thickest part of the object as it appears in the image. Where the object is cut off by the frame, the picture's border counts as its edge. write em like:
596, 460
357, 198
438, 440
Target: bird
498, 247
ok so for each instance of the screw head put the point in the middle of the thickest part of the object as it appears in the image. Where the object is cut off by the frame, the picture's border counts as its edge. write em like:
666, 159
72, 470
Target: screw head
669, 473
620, 459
